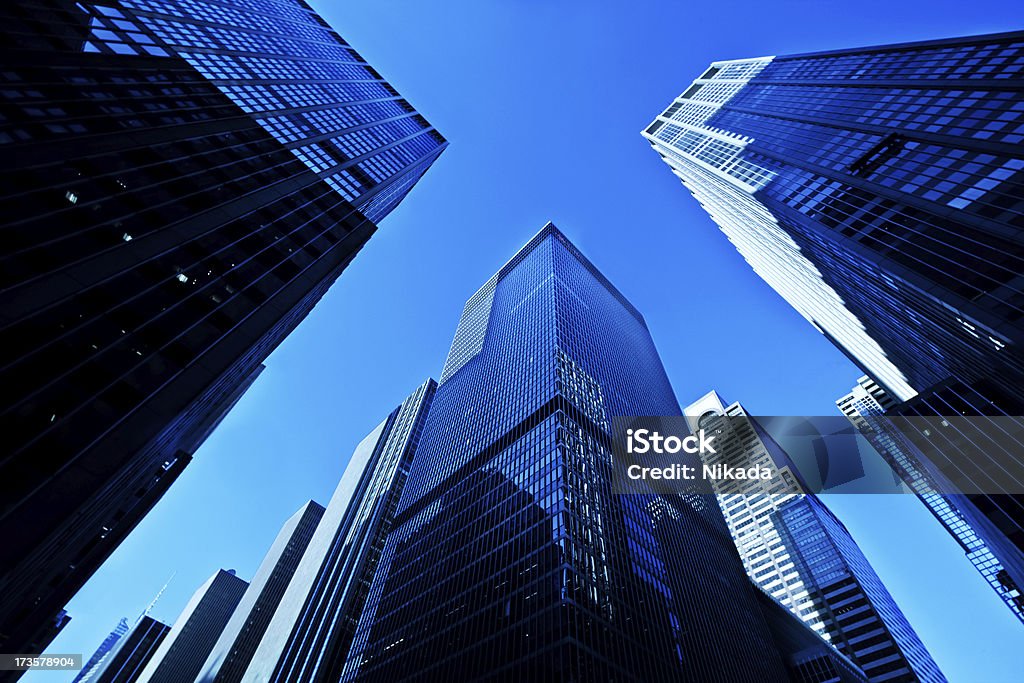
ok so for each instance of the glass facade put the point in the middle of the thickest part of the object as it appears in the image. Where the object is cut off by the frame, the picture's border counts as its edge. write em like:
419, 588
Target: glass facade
748, 505
777, 558
101, 652
872, 630
297, 78
312, 628
126, 662
161, 237
238, 641
810, 658
880, 191
509, 557
892, 176
863, 406
195, 632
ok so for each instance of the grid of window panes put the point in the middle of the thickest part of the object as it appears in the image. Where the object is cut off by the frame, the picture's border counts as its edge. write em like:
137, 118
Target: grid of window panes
872, 629
111, 208
181, 655
927, 340
748, 506
241, 636
282, 64
325, 617
998, 56
159, 245
972, 441
510, 557
902, 194
866, 408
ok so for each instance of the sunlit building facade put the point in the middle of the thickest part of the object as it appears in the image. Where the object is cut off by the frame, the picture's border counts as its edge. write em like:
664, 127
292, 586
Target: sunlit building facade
181, 184
870, 628
237, 643
880, 191
783, 555
748, 504
312, 628
182, 653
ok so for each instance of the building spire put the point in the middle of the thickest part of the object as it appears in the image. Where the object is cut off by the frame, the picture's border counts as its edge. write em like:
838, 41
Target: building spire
152, 604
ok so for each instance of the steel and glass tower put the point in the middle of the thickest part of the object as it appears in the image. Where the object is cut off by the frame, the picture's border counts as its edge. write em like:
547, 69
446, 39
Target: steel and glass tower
870, 627
238, 641
180, 183
880, 191
509, 556
865, 406
748, 504
312, 629
816, 571
101, 652
197, 629
125, 663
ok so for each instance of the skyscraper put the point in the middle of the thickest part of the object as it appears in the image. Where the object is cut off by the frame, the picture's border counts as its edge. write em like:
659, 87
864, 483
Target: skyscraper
101, 652
824, 579
180, 186
880, 192
865, 406
312, 630
238, 641
194, 633
810, 658
871, 628
747, 505
509, 557
129, 657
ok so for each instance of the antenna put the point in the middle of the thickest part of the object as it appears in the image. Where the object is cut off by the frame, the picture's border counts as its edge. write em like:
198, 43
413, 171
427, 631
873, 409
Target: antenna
152, 604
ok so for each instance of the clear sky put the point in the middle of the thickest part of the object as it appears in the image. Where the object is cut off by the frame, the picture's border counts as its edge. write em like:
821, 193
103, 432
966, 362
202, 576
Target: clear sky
543, 103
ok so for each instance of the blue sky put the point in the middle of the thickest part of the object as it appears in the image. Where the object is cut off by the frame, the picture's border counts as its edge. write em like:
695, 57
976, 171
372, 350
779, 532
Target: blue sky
543, 103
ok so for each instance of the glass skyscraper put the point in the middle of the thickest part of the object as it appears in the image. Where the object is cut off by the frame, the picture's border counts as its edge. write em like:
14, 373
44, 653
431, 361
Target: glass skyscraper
101, 652
747, 505
871, 628
181, 655
241, 635
181, 183
126, 661
312, 628
880, 191
296, 77
509, 557
865, 407
816, 570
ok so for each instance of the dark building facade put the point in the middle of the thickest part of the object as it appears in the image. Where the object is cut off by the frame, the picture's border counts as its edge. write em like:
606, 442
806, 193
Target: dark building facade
180, 186
312, 629
126, 661
866, 408
241, 635
509, 557
181, 655
880, 191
